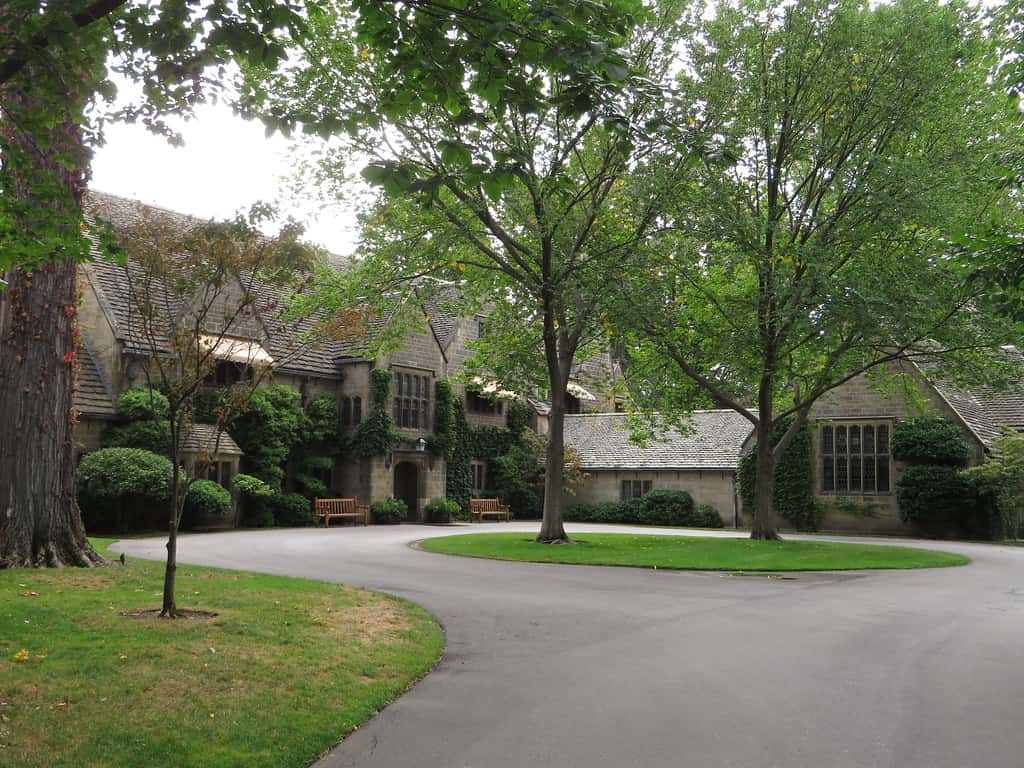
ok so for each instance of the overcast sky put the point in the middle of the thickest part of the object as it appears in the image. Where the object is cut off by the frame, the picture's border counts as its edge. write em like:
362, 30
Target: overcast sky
226, 164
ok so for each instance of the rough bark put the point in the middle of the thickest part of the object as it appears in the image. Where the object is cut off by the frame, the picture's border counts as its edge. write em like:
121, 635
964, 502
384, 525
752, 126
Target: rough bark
40, 523
558, 360
764, 524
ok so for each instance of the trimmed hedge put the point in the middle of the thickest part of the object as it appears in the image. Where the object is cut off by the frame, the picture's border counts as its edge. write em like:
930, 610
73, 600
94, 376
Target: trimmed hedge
937, 499
291, 509
659, 507
114, 472
142, 404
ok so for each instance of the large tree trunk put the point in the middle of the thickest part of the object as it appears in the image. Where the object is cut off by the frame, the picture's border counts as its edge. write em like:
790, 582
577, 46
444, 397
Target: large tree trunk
764, 523
40, 523
552, 529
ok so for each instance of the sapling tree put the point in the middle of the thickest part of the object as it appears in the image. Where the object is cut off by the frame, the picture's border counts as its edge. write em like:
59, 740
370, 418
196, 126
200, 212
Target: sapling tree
204, 295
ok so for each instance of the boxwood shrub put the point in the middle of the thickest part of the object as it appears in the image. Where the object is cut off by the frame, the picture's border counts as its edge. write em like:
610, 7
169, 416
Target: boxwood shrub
937, 499
207, 498
290, 509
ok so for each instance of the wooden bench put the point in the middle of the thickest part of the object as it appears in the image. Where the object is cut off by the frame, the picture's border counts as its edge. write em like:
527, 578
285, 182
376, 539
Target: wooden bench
480, 507
340, 509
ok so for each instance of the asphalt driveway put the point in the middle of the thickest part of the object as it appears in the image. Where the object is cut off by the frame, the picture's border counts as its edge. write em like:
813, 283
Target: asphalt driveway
589, 667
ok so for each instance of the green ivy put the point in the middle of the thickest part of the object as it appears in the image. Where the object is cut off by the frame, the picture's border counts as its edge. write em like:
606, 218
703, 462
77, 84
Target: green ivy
929, 440
376, 434
442, 442
794, 496
267, 431
459, 480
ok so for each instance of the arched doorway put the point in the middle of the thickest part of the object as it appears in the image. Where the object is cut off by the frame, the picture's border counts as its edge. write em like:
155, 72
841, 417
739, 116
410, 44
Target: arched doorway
407, 485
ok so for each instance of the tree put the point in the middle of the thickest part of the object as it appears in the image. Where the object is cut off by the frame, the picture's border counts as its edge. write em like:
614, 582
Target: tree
858, 140
203, 296
54, 60
525, 203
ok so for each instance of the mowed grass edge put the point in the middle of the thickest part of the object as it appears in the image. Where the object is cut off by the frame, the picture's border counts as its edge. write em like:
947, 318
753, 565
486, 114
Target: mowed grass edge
693, 552
286, 669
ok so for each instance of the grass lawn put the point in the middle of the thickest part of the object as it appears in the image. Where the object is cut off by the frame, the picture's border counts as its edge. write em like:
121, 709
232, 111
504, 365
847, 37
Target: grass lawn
286, 668
692, 552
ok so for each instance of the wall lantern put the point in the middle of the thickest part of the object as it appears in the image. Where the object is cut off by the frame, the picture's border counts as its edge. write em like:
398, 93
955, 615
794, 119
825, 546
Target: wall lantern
421, 445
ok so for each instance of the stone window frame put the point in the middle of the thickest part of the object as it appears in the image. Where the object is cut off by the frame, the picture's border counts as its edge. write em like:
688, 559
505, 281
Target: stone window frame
351, 411
860, 465
411, 400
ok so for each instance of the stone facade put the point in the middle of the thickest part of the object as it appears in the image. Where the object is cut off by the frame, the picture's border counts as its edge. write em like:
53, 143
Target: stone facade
716, 488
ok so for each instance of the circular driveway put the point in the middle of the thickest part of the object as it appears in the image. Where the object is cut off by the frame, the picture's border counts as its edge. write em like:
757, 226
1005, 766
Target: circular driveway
581, 666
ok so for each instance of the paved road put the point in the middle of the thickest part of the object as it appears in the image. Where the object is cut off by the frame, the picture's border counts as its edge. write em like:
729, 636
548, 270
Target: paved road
570, 666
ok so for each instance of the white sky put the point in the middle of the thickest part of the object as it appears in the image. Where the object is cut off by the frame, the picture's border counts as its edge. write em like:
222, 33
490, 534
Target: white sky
226, 165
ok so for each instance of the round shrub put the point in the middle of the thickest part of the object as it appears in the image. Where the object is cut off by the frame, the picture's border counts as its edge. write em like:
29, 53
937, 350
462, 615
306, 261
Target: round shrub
664, 507
936, 498
111, 473
707, 517
250, 486
291, 509
442, 510
929, 440
207, 498
389, 512
142, 403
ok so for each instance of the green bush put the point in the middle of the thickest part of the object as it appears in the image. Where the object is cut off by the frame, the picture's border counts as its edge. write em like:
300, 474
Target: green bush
268, 429
664, 507
929, 440
207, 498
290, 509
150, 435
999, 487
312, 487
251, 487
659, 507
708, 517
142, 404
376, 433
442, 510
388, 512
111, 473
937, 499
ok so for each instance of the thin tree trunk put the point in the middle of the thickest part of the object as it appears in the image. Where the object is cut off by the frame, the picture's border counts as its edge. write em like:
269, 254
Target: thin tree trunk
764, 525
40, 523
169, 610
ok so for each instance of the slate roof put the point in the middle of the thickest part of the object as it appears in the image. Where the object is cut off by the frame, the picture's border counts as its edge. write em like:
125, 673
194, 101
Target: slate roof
204, 438
113, 284
92, 395
986, 411
711, 440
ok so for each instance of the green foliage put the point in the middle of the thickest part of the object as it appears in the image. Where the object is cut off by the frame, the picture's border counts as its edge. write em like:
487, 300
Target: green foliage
312, 487
440, 510
389, 511
142, 403
794, 494
267, 430
322, 428
515, 474
149, 435
207, 498
937, 499
519, 413
251, 487
442, 442
290, 509
459, 479
111, 473
929, 440
999, 487
659, 507
376, 434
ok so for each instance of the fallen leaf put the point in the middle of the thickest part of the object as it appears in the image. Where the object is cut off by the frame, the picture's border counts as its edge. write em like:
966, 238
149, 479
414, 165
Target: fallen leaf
30, 593
21, 655
122, 656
